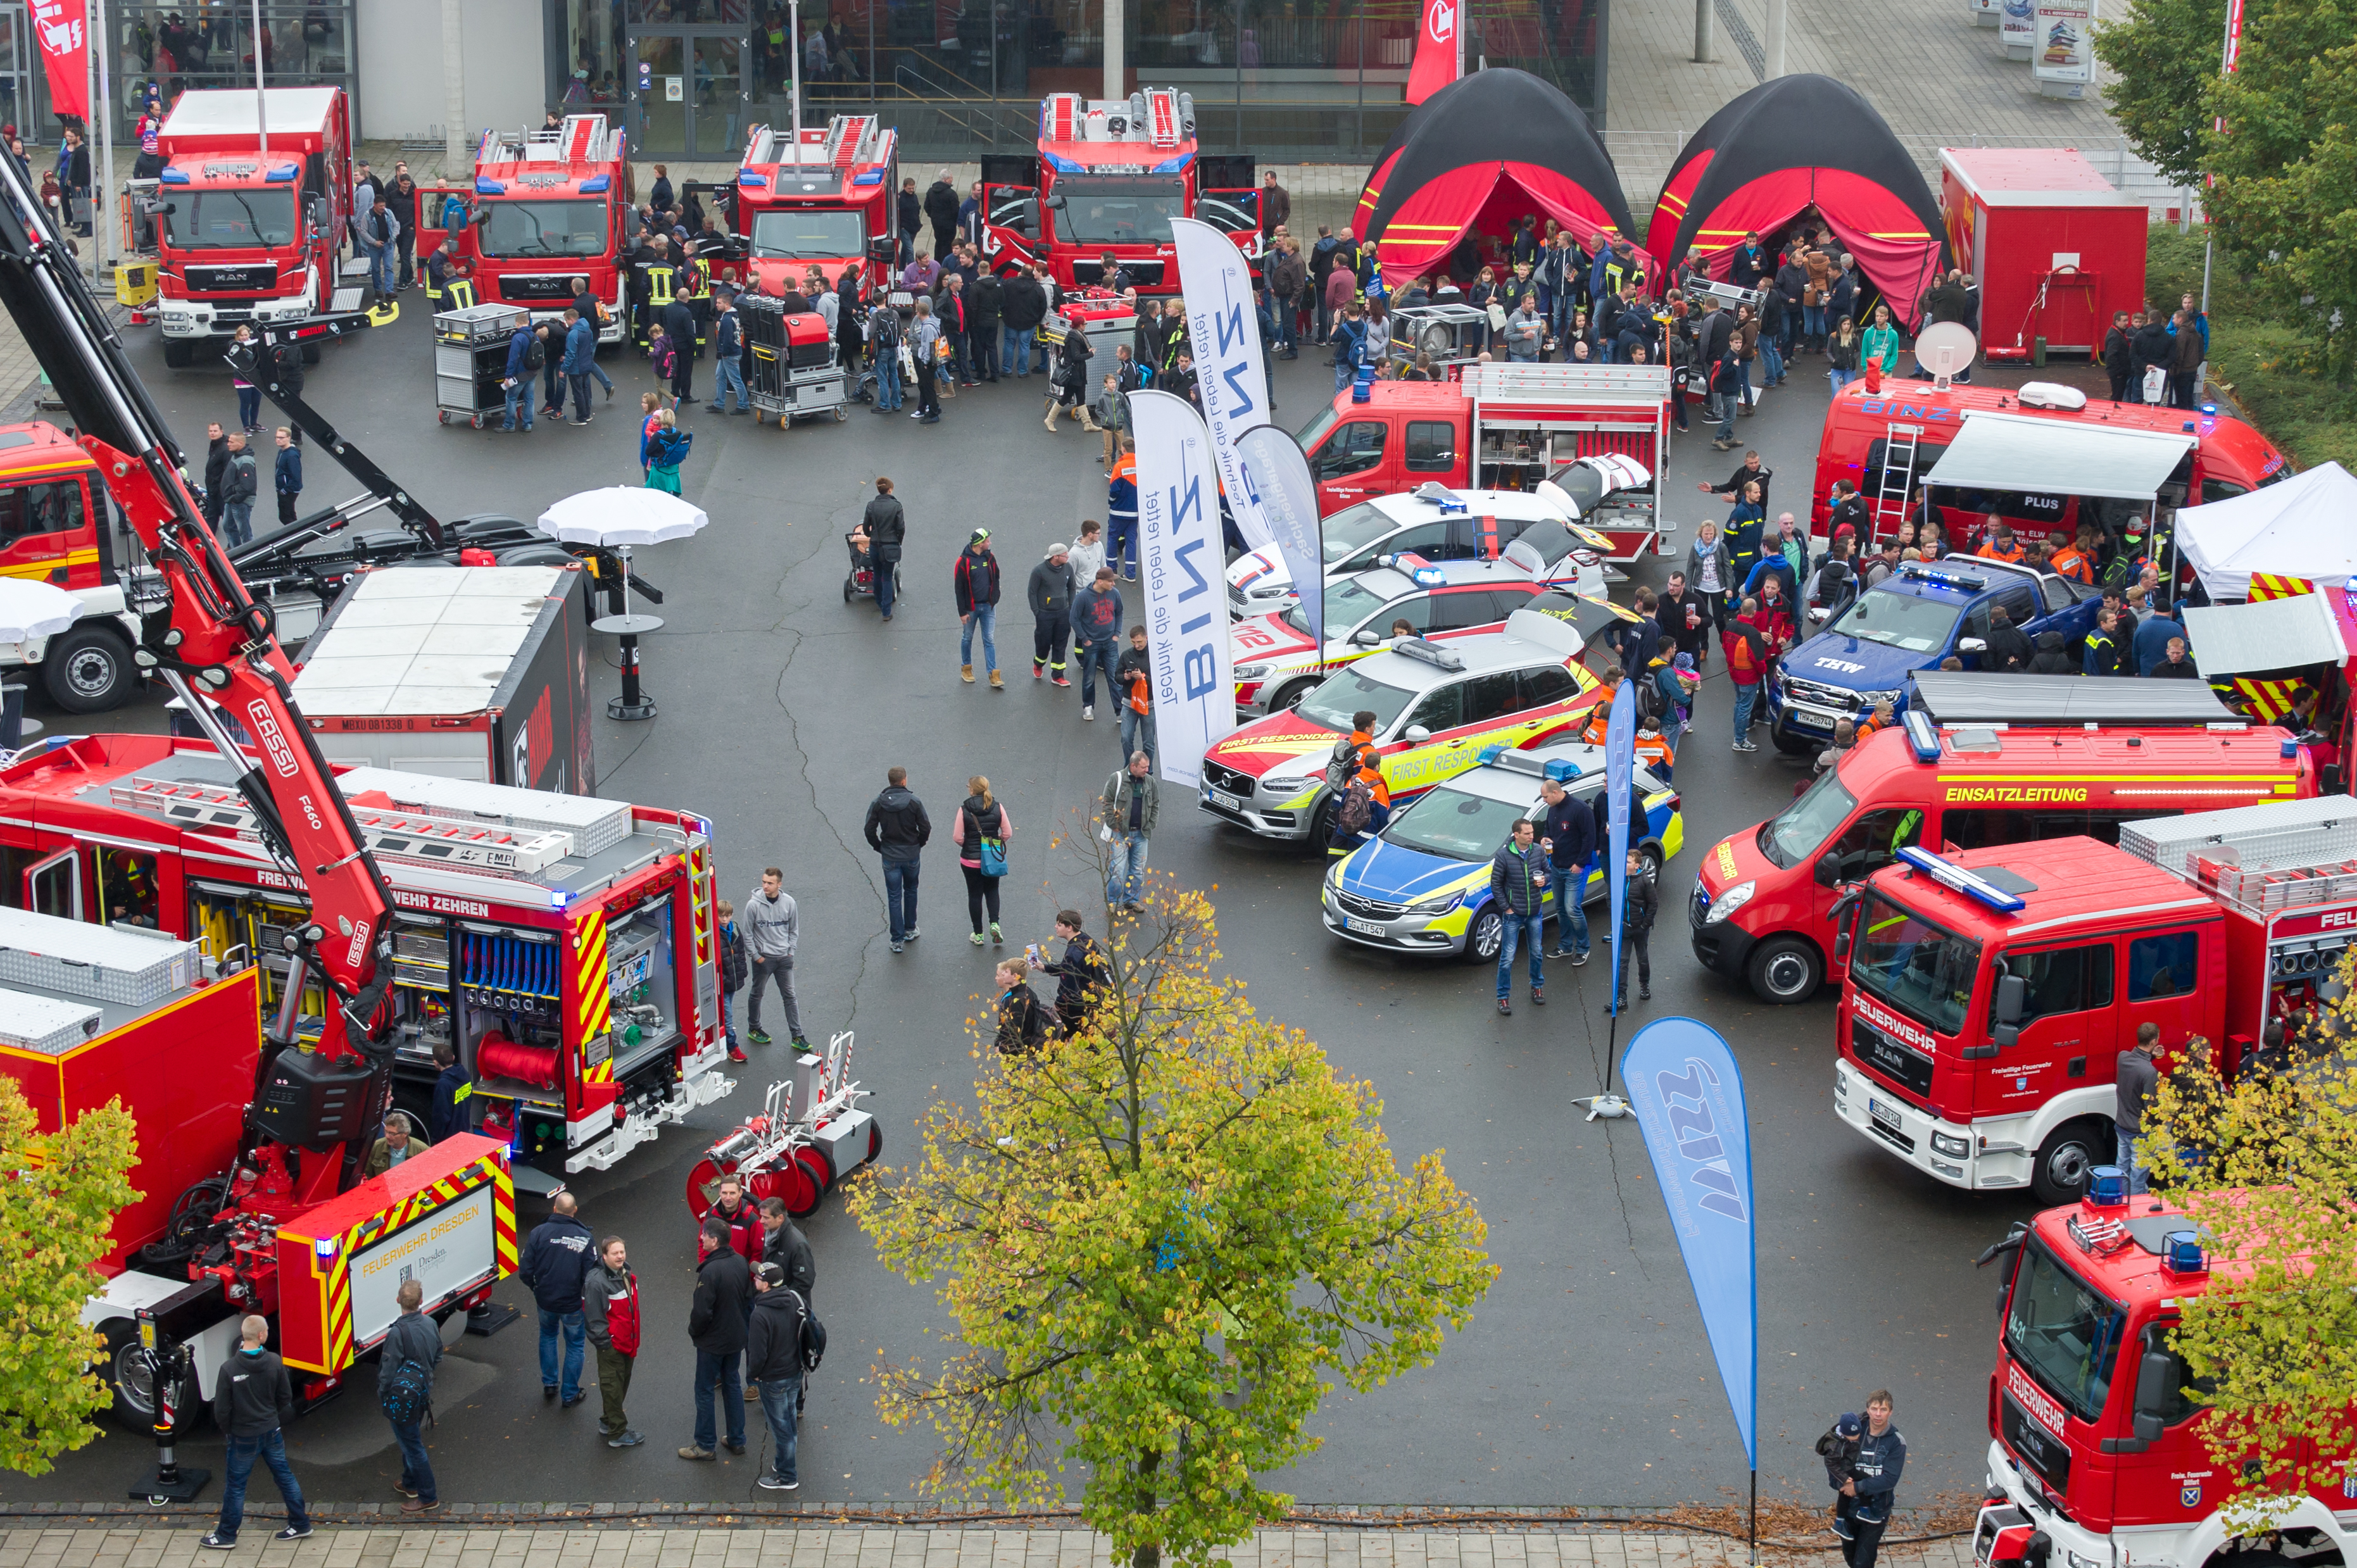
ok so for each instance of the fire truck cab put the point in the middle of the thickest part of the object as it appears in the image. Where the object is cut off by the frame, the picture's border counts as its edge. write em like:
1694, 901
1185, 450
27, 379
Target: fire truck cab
550, 207
1107, 178
1762, 908
824, 202
1989, 993
251, 213
563, 948
1507, 427
56, 527
2095, 1449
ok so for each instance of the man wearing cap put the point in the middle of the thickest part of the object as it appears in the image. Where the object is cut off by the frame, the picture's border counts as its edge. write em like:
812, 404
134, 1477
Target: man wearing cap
1050, 594
975, 581
773, 1362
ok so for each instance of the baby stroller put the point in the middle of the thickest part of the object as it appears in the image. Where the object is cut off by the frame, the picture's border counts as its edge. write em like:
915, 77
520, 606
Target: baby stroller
859, 582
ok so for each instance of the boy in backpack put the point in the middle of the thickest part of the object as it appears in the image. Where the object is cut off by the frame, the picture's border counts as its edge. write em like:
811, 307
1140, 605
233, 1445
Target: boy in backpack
662, 354
1366, 808
1838, 1449
404, 1390
773, 1362
734, 970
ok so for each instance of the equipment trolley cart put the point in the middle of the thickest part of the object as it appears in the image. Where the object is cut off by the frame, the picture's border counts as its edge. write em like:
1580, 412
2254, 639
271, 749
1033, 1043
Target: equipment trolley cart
795, 374
470, 359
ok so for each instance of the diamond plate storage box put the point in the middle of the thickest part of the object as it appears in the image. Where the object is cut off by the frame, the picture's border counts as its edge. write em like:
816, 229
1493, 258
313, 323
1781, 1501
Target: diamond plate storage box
92, 961
470, 357
45, 1024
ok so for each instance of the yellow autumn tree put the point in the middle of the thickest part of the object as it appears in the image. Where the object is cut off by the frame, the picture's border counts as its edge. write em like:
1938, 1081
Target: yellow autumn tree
58, 1196
1158, 1241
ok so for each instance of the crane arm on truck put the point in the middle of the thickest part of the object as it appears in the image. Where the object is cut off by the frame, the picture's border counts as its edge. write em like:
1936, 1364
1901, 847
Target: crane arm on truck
202, 629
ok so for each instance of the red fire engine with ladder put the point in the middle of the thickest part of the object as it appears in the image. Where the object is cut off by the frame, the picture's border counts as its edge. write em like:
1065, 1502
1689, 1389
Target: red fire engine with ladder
818, 196
287, 1225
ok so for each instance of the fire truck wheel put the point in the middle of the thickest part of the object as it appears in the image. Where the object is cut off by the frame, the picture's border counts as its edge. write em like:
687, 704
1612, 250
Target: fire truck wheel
1785, 969
2059, 1174
1484, 937
88, 671
179, 355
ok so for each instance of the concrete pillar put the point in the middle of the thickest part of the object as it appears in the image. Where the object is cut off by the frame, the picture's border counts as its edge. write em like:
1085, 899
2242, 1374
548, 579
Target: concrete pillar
456, 159
1702, 31
1774, 51
1116, 49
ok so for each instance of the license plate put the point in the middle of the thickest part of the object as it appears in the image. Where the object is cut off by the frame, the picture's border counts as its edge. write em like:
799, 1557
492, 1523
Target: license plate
1220, 798
1368, 927
1810, 721
1884, 1116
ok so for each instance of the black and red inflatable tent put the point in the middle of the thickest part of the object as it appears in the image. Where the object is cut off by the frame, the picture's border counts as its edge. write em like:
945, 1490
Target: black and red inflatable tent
1794, 142
1475, 157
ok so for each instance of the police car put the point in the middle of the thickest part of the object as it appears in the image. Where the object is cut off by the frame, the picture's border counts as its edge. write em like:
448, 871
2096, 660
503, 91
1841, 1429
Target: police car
1440, 525
1438, 702
1422, 885
1276, 664
1912, 619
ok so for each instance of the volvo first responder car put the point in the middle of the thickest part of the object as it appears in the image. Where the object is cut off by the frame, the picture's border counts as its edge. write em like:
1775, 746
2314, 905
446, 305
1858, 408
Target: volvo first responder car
1276, 664
1912, 619
1440, 524
1422, 884
1438, 702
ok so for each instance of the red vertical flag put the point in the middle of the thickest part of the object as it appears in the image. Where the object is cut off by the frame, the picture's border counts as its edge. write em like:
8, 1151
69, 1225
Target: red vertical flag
59, 28
1439, 49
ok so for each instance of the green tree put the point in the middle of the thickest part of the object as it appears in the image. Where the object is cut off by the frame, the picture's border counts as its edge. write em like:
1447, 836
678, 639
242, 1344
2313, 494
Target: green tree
2285, 200
1158, 1240
2162, 56
58, 1196
2266, 1168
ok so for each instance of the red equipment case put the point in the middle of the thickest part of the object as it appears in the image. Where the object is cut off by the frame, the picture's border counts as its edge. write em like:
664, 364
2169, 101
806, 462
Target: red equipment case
2053, 249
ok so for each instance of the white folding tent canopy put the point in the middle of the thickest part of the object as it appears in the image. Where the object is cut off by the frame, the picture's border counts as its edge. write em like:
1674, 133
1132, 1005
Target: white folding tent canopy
2053, 456
2305, 526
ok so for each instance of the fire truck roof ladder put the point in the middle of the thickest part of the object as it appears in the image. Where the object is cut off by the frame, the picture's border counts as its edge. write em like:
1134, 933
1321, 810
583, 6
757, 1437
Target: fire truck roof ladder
2285, 855
390, 836
847, 140
1162, 117
1900, 446
1061, 115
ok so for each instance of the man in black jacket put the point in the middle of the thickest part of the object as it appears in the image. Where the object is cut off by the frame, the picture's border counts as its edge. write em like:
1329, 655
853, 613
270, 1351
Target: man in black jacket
974, 584
1023, 305
941, 208
215, 465
1640, 901
716, 1322
984, 302
555, 1258
2115, 355
910, 213
1082, 974
888, 530
773, 1362
2009, 649
402, 197
896, 831
412, 1341
1567, 833
783, 1244
250, 1398
1050, 596
2151, 345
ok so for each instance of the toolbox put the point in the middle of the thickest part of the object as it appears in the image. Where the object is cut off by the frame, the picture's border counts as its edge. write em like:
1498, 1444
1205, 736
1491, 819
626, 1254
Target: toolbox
470, 359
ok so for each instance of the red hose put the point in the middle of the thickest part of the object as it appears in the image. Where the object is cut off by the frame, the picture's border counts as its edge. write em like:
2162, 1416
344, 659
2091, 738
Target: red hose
496, 1056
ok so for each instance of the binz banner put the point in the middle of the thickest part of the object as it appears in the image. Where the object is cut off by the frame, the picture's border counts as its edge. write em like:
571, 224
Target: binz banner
62, 32
1277, 482
1183, 568
1231, 367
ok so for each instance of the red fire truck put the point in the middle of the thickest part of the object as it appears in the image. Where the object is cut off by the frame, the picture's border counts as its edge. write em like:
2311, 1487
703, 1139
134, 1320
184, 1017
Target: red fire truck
1763, 909
1990, 992
1885, 438
2096, 1455
824, 202
1111, 174
550, 207
1507, 427
563, 946
251, 212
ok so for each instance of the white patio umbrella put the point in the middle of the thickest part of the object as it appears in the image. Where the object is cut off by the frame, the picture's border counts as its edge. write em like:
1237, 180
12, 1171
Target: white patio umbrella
616, 516
30, 608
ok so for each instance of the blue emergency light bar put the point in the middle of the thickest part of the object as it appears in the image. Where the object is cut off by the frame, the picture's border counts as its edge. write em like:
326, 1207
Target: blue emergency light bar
490, 186
1951, 579
173, 176
1921, 736
1955, 879
1174, 166
1362, 385
1562, 769
1431, 653
1420, 571
748, 176
873, 176
284, 174
2181, 1253
1491, 753
595, 184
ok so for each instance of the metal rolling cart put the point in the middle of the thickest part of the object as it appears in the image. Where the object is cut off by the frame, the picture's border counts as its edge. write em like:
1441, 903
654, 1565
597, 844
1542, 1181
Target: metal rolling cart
470, 359
795, 371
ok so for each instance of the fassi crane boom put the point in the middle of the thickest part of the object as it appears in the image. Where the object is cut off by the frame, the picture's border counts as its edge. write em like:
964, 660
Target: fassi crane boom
201, 630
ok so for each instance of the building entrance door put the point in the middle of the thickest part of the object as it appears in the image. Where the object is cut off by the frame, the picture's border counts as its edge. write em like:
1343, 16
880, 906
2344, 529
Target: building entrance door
689, 93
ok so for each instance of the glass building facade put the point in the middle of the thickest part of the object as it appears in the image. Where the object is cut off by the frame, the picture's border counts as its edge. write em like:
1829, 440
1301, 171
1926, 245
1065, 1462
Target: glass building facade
1288, 80
176, 44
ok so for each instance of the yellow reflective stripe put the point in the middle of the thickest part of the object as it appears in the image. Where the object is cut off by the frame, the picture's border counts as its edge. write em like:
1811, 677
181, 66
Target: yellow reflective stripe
43, 568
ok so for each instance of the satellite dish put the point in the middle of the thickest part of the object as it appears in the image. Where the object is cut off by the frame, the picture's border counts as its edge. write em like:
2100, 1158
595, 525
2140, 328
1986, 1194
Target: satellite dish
1945, 349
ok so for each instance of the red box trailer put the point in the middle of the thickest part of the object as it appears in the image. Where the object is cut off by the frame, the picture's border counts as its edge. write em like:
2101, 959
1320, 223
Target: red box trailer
2053, 249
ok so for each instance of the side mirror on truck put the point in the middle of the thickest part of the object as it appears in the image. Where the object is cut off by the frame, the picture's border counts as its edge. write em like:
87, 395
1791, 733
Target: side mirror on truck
1828, 870
2012, 996
1972, 645
2156, 1394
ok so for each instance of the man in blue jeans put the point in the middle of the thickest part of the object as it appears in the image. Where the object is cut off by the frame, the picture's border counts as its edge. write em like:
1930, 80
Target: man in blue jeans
773, 1362
518, 385
556, 1259
896, 831
251, 1397
413, 1342
1569, 836
1518, 884
716, 1323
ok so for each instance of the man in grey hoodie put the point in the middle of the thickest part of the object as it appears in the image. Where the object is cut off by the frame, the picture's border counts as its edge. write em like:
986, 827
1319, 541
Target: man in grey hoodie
773, 930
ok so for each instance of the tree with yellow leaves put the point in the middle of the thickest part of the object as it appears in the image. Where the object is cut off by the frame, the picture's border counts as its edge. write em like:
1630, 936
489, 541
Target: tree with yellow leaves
2265, 1168
58, 1196
1157, 1240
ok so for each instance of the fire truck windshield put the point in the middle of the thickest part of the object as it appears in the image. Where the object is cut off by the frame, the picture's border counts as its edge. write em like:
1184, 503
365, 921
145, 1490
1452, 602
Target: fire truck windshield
1127, 209
1794, 835
561, 228
1924, 971
808, 234
230, 220
2063, 1331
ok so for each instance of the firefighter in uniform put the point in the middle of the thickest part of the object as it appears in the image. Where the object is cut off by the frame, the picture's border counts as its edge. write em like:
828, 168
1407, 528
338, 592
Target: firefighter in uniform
694, 284
653, 277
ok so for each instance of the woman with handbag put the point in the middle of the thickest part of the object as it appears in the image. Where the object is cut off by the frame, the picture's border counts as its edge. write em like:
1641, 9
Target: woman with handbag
980, 833
1071, 382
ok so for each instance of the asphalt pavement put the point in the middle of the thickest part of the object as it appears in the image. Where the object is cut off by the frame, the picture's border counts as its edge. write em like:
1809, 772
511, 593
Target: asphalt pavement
1584, 1377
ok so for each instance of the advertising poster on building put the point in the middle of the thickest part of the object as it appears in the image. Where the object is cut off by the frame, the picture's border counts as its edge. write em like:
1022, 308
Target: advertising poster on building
2064, 64
2017, 28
